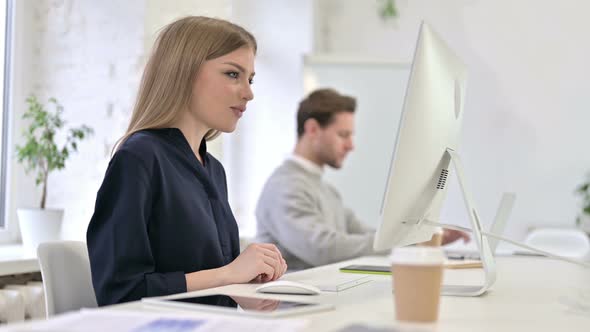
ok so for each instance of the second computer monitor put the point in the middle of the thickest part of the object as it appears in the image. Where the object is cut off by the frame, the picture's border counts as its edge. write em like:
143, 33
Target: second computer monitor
430, 124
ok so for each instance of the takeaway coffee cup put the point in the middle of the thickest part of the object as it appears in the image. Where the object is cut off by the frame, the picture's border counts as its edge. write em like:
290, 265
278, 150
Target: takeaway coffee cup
417, 276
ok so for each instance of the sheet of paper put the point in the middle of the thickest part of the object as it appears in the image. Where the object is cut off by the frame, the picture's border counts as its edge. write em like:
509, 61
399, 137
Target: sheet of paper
100, 320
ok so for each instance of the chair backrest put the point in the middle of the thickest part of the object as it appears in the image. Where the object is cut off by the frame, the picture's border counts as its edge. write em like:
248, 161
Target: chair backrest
65, 269
560, 241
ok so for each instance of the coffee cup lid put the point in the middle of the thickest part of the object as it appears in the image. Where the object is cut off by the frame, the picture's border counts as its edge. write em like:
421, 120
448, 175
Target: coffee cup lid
417, 256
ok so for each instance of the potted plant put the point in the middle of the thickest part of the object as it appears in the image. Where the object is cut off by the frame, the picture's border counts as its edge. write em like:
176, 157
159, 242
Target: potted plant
387, 9
583, 219
40, 156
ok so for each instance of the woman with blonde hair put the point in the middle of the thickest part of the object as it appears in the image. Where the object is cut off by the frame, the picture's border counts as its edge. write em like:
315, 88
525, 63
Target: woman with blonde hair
162, 222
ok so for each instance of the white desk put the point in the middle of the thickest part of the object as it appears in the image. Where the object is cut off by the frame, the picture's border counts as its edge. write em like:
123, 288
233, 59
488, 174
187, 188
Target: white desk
14, 260
530, 294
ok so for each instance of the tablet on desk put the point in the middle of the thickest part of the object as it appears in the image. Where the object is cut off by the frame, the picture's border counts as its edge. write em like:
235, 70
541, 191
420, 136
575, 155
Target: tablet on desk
239, 305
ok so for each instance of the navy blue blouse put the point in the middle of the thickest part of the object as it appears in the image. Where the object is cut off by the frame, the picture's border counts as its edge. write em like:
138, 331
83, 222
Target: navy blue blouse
159, 214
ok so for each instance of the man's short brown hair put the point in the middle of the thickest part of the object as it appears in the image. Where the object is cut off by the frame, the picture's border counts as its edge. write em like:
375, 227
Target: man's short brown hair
322, 105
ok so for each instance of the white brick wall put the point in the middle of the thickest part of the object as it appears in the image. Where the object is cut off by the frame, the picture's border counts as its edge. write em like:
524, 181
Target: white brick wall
89, 55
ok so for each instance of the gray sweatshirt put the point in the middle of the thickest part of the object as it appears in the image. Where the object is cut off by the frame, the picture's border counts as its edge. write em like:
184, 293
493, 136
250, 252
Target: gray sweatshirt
305, 217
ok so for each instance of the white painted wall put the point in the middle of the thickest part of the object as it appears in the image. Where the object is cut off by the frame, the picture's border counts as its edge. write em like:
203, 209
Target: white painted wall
89, 55
527, 106
266, 134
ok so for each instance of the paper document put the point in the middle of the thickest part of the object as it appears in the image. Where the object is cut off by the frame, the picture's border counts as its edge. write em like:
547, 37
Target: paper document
100, 320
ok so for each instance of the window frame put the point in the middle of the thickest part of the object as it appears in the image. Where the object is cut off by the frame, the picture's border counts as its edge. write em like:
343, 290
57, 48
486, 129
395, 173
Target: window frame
6, 62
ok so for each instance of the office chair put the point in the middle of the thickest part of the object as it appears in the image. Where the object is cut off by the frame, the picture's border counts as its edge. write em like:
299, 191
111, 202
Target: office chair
566, 242
65, 269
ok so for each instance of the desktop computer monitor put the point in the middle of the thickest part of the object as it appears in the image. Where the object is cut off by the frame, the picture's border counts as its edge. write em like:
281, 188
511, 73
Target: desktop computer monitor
425, 149
429, 127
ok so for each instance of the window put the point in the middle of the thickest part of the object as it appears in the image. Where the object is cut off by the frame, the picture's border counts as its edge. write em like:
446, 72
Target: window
5, 50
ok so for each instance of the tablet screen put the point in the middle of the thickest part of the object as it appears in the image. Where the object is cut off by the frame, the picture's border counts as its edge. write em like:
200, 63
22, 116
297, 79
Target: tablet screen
244, 303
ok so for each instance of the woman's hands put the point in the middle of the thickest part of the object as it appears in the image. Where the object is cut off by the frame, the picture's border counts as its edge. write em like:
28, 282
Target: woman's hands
259, 262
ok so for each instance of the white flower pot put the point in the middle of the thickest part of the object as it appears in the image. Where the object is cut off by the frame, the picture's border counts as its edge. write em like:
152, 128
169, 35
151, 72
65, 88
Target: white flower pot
38, 226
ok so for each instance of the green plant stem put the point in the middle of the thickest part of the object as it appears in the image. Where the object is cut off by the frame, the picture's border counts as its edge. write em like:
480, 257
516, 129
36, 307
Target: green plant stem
44, 193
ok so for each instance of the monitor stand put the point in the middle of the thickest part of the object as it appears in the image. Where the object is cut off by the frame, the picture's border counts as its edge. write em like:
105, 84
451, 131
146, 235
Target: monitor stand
487, 257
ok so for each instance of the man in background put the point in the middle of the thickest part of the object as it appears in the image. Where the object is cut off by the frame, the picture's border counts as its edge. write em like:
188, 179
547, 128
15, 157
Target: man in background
301, 213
